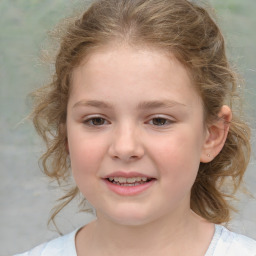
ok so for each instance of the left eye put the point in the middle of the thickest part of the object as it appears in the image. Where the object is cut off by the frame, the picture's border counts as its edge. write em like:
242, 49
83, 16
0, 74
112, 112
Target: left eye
159, 121
95, 121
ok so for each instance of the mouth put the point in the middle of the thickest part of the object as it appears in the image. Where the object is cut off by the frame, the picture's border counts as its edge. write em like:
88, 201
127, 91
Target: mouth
129, 182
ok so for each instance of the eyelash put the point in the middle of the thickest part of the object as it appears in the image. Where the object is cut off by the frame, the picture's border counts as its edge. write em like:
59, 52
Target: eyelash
159, 118
162, 121
89, 121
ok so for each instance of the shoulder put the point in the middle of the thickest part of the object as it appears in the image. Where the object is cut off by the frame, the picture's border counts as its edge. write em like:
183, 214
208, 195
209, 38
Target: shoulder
61, 246
230, 243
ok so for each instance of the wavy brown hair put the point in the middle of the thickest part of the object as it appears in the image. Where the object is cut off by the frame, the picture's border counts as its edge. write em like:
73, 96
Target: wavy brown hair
191, 34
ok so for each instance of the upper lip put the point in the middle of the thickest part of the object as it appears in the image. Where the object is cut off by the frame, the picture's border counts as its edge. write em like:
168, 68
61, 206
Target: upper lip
126, 175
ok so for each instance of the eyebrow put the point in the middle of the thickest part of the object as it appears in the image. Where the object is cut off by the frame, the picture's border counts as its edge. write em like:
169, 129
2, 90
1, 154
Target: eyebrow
93, 103
142, 105
159, 104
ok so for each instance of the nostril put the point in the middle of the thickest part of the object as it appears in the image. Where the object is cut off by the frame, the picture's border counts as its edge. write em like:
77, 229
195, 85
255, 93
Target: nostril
125, 150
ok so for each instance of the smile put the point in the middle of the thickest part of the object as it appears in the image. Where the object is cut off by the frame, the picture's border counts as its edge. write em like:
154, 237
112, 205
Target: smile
129, 186
133, 181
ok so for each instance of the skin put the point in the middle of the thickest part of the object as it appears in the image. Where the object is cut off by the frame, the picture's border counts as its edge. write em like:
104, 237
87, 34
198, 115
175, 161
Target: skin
112, 127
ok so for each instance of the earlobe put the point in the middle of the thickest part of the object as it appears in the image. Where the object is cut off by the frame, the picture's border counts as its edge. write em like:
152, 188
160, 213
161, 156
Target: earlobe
216, 135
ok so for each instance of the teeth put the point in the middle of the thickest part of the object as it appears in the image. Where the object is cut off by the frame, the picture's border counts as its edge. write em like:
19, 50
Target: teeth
123, 180
127, 184
131, 180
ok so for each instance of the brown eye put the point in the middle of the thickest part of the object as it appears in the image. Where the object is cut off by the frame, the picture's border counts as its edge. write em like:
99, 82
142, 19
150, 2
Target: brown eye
95, 121
159, 121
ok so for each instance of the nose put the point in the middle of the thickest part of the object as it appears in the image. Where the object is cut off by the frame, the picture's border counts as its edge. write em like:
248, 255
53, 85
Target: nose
126, 144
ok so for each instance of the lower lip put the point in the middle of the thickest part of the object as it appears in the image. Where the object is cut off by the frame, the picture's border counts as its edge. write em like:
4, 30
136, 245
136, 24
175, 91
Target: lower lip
128, 190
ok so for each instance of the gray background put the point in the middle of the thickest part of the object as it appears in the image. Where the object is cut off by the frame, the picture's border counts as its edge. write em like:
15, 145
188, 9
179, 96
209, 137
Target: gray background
26, 197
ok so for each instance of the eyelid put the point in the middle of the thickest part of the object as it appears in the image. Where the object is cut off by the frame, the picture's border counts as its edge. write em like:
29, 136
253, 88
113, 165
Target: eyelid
87, 119
169, 119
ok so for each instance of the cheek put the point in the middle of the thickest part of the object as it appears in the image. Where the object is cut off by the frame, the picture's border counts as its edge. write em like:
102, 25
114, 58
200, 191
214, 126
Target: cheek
85, 154
178, 156
85, 157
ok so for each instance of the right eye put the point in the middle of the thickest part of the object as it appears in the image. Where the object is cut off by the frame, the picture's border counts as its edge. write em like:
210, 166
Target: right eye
95, 121
159, 121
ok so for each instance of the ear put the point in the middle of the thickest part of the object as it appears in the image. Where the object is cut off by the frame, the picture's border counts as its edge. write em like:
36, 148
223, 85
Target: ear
216, 135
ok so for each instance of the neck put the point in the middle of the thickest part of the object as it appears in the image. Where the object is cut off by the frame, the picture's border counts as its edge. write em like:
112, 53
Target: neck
159, 237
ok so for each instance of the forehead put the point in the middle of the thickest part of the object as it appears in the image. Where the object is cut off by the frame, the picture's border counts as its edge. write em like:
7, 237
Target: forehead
148, 72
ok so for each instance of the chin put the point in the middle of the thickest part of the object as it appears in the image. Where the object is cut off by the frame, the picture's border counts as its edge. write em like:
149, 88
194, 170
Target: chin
130, 218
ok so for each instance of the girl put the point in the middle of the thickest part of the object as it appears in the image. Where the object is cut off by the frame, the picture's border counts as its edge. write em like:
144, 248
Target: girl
139, 111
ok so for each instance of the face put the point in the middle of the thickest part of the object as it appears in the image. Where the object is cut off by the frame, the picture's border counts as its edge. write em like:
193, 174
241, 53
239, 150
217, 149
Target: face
135, 134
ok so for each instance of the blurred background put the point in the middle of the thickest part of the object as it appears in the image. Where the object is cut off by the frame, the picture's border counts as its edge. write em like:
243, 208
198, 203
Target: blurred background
26, 197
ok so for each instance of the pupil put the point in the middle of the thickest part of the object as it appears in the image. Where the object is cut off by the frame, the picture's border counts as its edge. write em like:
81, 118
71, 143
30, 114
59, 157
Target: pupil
98, 121
159, 121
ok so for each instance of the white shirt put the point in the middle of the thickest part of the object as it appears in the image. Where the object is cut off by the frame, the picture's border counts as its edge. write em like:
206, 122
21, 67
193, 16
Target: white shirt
224, 243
